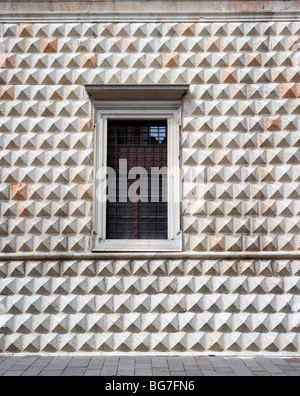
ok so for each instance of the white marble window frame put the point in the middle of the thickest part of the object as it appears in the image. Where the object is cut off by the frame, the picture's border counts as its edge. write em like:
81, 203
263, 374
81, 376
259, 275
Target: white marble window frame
169, 110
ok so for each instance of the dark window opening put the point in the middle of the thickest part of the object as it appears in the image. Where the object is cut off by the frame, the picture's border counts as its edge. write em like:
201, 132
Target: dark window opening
142, 144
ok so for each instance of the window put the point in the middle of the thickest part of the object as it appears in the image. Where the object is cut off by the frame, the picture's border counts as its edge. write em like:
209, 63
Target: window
137, 168
142, 144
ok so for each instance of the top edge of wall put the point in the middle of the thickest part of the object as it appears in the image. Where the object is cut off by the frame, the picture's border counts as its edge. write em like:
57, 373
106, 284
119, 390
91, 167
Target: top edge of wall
147, 11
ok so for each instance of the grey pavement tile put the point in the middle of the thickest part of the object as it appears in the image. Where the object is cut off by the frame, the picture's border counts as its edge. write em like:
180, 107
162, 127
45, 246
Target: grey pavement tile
126, 359
262, 374
253, 365
143, 369
143, 373
227, 375
279, 375
8, 363
192, 373
209, 373
143, 363
58, 367
268, 365
74, 372
32, 371
62, 359
12, 359
79, 362
111, 363
295, 365
175, 364
5, 367
160, 363
108, 366
59, 363
95, 366
92, 373
18, 367
293, 373
188, 361
240, 368
224, 370
98, 360
29, 359
204, 364
127, 365
175, 373
42, 361
112, 359
13, 374
46, 373
144, 358
124, 373
206, 367
285, 367
126, 370
160, 372
220, 364
109, 372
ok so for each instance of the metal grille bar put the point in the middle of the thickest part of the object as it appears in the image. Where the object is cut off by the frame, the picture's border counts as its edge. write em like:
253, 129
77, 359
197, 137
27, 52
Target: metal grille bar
142, 144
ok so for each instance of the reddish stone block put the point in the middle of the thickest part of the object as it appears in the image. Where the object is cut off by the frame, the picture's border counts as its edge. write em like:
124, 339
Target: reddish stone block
290, 90
187, 29
213, 44
85, 192
172, 60
7, 61
238, 91
268, 208
230, 75
19, 192
25, 211
50, 45
25, 30
253, 59
86, 124
89, 60
7, 92
109, 30
274, 123
131, 44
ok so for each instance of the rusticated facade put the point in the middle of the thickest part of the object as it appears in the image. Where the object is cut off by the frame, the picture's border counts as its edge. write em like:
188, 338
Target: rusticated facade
235, 287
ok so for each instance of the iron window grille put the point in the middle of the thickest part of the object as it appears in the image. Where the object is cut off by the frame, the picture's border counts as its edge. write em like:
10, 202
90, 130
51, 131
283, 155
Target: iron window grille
141, 144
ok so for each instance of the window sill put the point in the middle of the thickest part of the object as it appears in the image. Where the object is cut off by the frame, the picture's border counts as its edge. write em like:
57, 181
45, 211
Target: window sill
120, 245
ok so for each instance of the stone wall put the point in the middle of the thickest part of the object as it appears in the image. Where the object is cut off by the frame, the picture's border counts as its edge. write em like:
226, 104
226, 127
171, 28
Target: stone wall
157, 306
235, 288
239, 143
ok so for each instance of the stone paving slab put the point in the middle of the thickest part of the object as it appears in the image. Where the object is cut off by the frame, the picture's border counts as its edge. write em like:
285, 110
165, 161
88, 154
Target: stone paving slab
110, 366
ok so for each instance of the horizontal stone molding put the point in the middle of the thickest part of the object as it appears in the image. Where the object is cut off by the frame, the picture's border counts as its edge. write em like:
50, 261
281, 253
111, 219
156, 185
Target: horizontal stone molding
151, 255
96, 17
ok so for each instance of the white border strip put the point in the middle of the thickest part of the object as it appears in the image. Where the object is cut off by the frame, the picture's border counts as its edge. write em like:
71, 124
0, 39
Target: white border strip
93, 17
152, 256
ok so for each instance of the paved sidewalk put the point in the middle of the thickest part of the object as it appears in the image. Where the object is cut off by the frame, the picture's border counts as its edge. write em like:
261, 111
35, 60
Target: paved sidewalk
147, 366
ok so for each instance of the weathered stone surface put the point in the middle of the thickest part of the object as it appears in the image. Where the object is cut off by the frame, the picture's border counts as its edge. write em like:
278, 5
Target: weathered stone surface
240, 135
240, 158
85, 306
